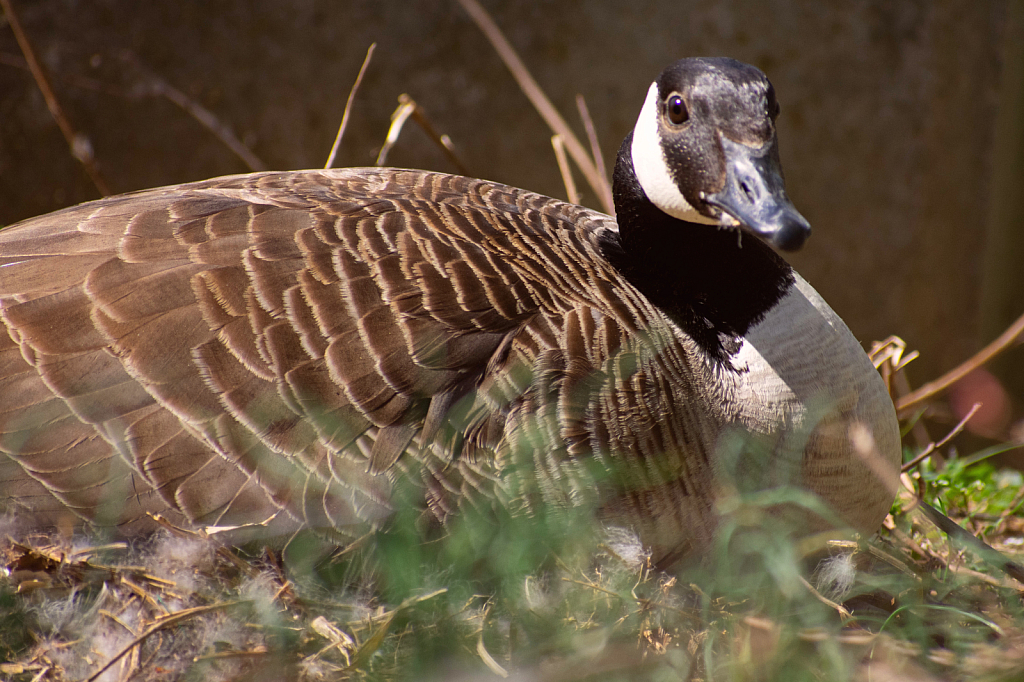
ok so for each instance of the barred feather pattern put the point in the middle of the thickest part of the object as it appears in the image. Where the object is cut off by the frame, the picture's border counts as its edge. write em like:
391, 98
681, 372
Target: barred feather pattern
284, 349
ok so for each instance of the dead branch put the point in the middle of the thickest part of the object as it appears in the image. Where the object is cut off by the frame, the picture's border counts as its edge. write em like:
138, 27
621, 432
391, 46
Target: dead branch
79, 144
934, 446
934, 388
563, 166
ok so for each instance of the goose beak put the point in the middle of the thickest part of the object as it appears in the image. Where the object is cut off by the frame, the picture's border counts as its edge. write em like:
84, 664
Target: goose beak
755, 195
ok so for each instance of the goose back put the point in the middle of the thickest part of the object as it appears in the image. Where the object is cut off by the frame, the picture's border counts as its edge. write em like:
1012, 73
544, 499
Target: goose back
277, 349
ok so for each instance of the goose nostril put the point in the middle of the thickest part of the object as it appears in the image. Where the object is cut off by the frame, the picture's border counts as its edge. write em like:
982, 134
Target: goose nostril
747, 190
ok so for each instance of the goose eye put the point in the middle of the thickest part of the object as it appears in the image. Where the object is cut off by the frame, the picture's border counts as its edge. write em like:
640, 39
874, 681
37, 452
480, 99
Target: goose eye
773, 107
675, 108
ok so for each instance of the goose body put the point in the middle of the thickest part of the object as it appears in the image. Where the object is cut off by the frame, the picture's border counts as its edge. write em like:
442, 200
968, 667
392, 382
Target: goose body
279, 351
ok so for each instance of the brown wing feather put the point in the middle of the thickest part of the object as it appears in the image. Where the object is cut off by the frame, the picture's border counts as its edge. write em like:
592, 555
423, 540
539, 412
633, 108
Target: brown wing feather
278, 348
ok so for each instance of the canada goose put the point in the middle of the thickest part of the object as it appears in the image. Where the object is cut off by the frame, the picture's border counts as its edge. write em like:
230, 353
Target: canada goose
276, 350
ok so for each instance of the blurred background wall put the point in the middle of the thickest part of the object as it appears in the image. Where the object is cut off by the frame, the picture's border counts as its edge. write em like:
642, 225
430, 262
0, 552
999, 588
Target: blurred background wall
900, 129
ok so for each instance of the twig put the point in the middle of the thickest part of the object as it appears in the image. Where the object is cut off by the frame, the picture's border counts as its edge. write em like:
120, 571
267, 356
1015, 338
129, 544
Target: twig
206, 118
844, 614
540, 101
144, 596
588, 126
348, 106
81, 147
892, 561
419, 114
408, 108
986, 578
594, 587
563, 165
933, 388
910, 542
155, 86
934, 446
920, 458
82, 82
173, 619
111, 616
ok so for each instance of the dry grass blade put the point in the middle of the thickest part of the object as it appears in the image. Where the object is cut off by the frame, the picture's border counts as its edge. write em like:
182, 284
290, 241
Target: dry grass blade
408, 108
563, 166
348, 107
79, 144
444, 142
383, 625
361, 655
588, 126
232, 654
339, 639
488, 660
19, 669
481, 648
891, 560
398, 119
934, 388
910, 545
890, 357
544, 107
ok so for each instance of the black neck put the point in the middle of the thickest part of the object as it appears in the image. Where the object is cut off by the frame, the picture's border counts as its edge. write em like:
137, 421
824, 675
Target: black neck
715, 283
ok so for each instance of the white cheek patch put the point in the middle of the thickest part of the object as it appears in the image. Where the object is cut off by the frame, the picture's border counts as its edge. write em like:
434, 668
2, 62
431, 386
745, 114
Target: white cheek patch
652, 170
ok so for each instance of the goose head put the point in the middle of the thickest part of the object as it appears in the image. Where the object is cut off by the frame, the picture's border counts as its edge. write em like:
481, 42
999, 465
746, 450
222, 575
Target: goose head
704, 150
